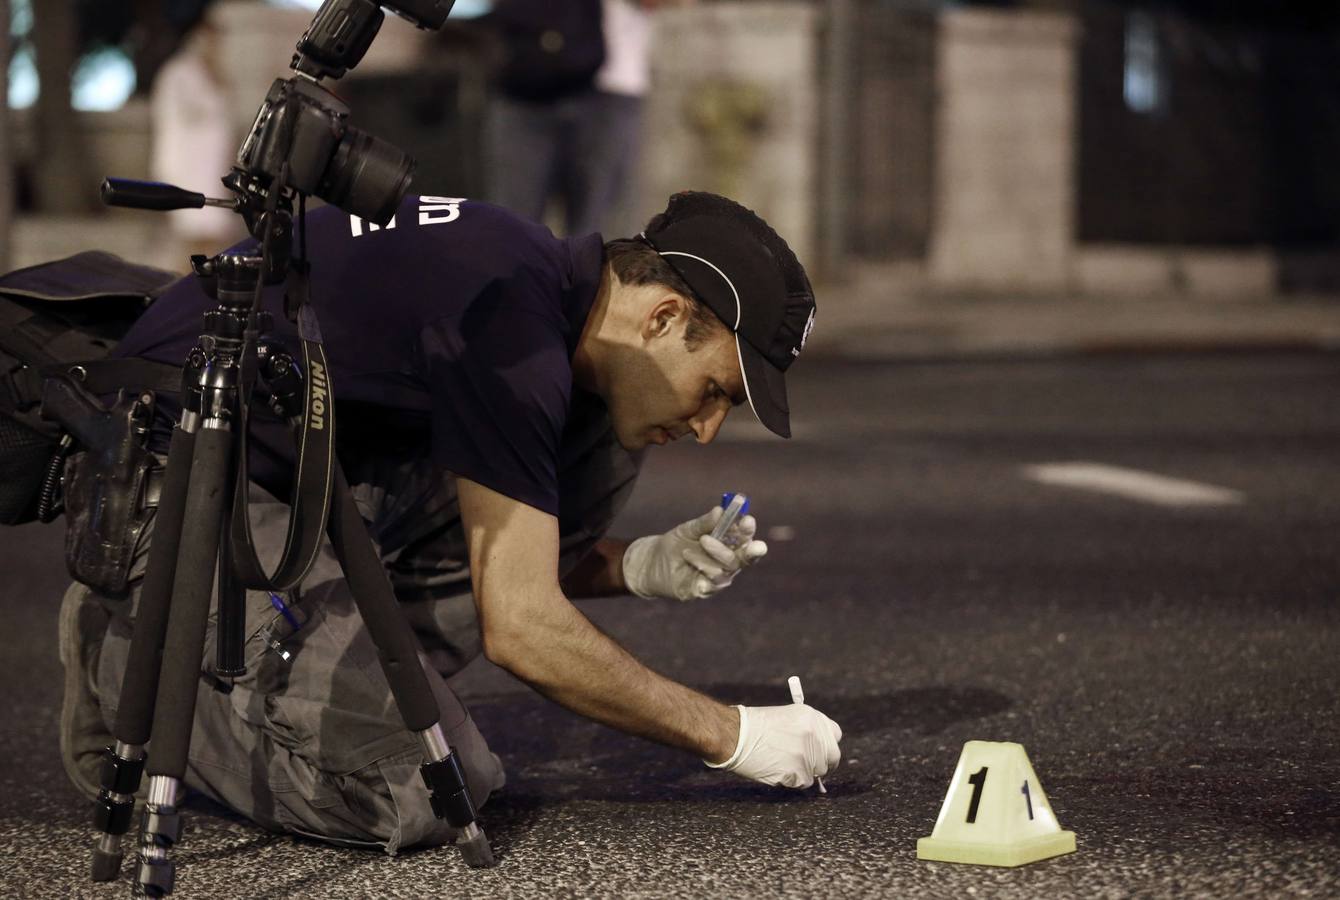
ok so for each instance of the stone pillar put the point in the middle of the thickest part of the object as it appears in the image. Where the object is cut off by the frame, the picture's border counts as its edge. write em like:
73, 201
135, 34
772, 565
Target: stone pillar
1004, 207
733, 109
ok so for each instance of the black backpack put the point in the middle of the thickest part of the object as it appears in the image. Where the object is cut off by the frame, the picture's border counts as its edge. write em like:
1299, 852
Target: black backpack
62, 318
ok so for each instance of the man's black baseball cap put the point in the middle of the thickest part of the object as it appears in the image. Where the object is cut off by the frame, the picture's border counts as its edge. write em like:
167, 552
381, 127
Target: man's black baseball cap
745, 273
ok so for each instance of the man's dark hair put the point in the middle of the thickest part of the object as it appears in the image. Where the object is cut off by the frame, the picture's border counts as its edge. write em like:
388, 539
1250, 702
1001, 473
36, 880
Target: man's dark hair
635, 262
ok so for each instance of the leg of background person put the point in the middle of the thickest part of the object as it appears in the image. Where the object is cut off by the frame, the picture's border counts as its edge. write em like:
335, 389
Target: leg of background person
606, 151
522, 156
571, 114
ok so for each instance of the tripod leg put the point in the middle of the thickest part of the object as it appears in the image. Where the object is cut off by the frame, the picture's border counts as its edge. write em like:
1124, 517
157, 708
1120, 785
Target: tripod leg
230, 627
183, 650
397, 651
124, 763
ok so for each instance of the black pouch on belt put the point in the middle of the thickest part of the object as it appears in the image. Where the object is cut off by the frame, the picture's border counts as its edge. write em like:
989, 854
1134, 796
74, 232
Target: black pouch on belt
106, 486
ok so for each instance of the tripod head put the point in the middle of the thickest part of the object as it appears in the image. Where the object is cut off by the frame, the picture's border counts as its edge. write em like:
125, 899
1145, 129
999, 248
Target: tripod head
247, 201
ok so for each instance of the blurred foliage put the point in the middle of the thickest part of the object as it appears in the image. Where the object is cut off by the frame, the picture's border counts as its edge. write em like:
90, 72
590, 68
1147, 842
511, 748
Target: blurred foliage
730, 116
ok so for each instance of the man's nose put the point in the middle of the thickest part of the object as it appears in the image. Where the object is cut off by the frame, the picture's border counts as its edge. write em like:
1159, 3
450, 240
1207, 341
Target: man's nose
707, 423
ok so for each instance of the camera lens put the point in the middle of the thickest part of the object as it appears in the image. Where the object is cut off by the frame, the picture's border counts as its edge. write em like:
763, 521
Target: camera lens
367, 177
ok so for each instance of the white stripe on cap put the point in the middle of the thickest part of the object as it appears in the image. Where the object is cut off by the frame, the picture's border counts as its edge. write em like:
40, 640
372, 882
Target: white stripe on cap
729, 283
735, 328
745, 378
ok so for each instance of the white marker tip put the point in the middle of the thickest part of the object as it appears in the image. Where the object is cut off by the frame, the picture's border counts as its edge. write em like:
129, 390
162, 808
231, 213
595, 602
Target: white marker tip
797, 693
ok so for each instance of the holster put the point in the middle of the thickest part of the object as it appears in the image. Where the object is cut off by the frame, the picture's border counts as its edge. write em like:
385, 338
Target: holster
105, 485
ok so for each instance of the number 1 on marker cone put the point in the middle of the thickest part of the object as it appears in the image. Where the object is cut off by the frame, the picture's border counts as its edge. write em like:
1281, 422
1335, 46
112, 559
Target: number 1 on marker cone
995, 813
798, 696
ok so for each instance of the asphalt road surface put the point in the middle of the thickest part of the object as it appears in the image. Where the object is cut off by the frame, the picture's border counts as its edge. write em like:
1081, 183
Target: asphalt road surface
1128, 564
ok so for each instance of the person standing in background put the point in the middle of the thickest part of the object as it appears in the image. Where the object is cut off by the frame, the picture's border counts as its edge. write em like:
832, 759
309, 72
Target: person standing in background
621, 85
194, 142
567, 118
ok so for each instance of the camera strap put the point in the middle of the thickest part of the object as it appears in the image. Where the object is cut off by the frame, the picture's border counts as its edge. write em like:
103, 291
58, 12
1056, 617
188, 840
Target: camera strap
310, 507
313, 485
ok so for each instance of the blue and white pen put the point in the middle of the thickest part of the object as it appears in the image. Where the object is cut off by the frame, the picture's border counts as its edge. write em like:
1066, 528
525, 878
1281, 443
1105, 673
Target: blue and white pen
283, 609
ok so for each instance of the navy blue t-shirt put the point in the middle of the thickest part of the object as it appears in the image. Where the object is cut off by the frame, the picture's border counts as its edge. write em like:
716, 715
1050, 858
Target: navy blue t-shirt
451, 329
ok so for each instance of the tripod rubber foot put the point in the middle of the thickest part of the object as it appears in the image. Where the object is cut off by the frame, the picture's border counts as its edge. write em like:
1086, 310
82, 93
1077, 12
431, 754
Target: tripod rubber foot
106, 866
476, 851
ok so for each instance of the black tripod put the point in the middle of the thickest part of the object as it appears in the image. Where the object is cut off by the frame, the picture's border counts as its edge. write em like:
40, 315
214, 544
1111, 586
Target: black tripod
205, 471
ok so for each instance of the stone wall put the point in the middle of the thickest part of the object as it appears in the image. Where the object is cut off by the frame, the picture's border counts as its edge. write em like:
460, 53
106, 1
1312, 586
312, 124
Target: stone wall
1003, 213
118, 143
734, 109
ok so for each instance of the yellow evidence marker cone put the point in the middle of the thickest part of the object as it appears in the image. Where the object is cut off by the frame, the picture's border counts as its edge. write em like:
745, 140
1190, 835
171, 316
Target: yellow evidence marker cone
995, 813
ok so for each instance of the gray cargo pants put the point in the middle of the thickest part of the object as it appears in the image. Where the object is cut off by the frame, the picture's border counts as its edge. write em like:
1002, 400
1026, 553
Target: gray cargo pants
312, 744
309, 741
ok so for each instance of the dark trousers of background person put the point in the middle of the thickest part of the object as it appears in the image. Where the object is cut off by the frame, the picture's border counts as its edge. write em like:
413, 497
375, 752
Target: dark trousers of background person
581, 149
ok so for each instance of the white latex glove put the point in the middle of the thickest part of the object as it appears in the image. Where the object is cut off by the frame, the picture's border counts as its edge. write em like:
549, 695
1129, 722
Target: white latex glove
787, 745
687, 563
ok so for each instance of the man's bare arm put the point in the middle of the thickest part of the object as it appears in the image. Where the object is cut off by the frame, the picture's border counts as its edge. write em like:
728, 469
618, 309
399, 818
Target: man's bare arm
530, 628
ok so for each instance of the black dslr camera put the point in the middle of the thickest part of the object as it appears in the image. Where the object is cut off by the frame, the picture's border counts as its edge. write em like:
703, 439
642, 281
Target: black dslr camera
301, 141
302, 132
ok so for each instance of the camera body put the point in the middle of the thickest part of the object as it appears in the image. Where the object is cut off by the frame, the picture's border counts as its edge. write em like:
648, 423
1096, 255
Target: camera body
302, 131
306, 127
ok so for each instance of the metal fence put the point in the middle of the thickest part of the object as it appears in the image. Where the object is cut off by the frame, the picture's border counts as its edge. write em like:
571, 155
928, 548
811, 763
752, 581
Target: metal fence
892, 147
1204, 131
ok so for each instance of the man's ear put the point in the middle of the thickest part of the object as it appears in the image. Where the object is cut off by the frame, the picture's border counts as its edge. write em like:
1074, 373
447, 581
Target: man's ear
665, 314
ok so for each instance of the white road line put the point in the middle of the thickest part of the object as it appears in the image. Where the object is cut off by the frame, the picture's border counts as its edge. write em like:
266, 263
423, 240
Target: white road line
1133, 483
